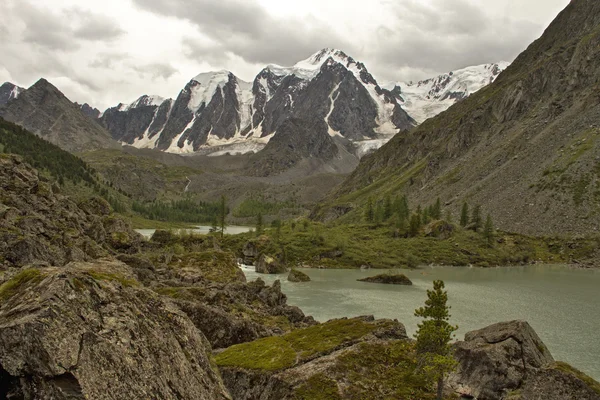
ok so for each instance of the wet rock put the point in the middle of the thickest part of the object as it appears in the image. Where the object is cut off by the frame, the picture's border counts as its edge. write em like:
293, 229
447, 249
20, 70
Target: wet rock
298, 276
396, 279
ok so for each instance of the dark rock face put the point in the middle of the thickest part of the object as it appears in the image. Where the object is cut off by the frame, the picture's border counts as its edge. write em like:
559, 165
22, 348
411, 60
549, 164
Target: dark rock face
298, 276
295, 141
8, 92
45, 111
40, 226
86, 331
399, 279
498, 359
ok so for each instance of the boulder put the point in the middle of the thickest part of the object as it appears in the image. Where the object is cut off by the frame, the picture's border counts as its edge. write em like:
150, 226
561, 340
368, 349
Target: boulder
498, 359
396, 279
90, 331
269, 265
298, 276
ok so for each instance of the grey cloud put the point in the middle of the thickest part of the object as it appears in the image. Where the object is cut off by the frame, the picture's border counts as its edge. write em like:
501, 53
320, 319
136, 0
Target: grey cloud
94, 27
156, 70
246, 29
108, 60
447, 35
44, 28
62, 31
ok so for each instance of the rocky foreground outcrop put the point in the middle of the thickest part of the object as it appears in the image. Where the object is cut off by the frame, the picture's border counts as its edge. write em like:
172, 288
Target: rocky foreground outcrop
90, 331
509, 360
39, 225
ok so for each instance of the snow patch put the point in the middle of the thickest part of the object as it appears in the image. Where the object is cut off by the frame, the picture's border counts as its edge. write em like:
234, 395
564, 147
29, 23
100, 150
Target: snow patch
208, 83
330, 130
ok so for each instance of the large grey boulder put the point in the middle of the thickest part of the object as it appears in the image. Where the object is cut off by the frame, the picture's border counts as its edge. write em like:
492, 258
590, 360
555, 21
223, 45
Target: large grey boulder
90, 331
269, 265
497, 359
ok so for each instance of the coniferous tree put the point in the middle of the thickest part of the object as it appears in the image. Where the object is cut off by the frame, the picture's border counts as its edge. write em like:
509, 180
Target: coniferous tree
259, 224
488, 231
222, 214
387, 208
404, 210
369, 212
433, 336
415, 225
464, 215
425, 217
378, 212
476, 219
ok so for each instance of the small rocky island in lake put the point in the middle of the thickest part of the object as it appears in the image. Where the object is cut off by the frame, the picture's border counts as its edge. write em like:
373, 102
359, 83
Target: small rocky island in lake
298, 276
396, 279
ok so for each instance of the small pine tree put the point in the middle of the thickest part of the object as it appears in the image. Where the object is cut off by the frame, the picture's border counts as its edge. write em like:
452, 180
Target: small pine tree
433, 336
215, 224
426, 216
378, 212
415, 225
222, 215
387, 207
259, 224
477, 220
488, 231
405, 210
369, 212
464, 215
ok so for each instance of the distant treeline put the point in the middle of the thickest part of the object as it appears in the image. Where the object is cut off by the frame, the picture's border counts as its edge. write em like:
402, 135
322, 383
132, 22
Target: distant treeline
185, 210
254, 206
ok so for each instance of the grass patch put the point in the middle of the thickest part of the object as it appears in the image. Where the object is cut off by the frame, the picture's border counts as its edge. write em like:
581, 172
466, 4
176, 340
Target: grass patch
12, 286
269, 354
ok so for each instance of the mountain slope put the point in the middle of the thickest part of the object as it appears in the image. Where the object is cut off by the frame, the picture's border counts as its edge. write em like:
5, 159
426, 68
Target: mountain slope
45, 111
8, 91
217, 112
429, 97
525, 147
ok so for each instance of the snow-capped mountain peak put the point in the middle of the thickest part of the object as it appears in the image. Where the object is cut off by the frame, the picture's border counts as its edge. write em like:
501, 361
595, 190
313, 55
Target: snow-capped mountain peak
427, 98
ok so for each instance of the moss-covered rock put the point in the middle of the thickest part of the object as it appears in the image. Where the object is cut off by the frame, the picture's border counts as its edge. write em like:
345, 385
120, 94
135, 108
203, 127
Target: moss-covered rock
309, 342
390, 279
298, 276
269, 265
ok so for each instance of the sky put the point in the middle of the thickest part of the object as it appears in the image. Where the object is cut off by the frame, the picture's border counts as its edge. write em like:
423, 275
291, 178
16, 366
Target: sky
111, 51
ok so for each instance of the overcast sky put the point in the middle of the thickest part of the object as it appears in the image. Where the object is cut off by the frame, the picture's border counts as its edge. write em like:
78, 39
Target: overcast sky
110, 51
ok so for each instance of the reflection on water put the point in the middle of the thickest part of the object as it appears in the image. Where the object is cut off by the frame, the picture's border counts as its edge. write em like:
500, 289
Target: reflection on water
562, 304
230, 230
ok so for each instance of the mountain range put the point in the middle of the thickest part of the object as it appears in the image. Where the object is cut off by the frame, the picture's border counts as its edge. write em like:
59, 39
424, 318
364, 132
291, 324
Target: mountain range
217, 113
526, 148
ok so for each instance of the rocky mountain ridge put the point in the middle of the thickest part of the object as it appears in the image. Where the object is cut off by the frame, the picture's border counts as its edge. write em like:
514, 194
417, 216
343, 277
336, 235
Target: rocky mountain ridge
525, 148
8, 92
47, 112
